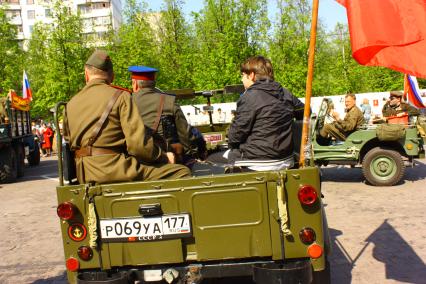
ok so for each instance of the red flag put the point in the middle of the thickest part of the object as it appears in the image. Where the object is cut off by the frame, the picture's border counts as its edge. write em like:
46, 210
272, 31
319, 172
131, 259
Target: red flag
389, 33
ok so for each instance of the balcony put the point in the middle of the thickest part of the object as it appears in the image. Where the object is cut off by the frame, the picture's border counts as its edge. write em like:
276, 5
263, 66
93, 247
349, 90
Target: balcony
15, 20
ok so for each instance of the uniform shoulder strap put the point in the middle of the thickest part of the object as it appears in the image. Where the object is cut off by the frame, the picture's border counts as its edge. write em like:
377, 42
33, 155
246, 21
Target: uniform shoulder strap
159, 112
103, 117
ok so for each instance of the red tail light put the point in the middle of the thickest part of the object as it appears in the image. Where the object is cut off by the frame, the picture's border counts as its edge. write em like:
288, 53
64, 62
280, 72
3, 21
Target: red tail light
66, 211
85, 253
307, 236
315, 251
307, 195
72, 264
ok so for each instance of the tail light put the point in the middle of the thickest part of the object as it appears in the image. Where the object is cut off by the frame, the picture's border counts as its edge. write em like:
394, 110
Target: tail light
66, 211
307, 195
307, 236
72, 264
315, 251
85, 253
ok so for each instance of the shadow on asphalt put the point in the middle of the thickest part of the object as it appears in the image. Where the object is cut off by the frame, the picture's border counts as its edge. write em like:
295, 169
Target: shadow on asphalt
46, 169
60, 279
354, 175
342, 174
418, 172
401, 262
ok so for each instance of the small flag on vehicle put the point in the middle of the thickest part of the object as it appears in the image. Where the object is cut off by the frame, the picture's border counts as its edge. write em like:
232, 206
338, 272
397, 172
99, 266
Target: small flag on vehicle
26, 89
412, 91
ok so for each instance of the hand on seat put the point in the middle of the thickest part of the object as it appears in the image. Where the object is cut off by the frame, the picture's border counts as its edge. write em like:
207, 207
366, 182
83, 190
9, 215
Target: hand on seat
171, 157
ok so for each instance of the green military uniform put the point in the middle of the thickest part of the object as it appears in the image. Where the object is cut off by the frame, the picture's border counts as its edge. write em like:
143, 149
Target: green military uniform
123, 149
340, 129
389, 110
147, 101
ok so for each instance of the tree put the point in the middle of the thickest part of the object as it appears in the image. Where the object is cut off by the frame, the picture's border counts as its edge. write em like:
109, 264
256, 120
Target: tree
57, 54
10, 56
227, 32
175, 47
134, 43
289, 46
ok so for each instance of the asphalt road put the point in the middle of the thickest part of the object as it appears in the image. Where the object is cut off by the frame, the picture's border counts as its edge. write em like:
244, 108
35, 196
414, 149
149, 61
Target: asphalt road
378, 233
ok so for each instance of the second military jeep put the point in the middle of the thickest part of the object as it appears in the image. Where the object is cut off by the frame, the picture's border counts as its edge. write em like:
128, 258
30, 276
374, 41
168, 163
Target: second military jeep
383, 162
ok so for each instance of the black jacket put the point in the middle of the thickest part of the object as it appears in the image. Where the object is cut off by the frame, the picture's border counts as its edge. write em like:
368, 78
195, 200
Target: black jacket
262, 127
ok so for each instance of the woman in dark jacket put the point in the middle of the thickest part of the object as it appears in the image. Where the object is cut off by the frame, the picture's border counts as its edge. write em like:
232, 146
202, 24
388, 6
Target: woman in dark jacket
260, 136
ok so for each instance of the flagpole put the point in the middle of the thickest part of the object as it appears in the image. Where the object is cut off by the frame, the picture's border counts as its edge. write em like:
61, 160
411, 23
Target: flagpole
311, 60
405, 86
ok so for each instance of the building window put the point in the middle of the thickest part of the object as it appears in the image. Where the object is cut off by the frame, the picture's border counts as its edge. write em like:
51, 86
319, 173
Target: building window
29, 2
96, 6
47, 13
19, 29
31, 14
31, 28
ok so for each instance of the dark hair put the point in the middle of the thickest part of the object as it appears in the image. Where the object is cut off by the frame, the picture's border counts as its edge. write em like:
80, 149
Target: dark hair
260, 66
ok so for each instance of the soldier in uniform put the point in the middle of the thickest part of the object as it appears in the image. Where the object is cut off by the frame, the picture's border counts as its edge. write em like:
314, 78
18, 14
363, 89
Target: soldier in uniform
340, 129
162, 115
108, 136
396, 107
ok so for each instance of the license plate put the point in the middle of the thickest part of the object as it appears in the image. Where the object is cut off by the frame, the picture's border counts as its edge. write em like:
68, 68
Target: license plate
152, 275
212, 138
145, 229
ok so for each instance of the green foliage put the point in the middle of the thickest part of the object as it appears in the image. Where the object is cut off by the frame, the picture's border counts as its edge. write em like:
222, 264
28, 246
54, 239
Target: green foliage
175, 47
10, 57
202, 51
134, 43
227, 32
56, 59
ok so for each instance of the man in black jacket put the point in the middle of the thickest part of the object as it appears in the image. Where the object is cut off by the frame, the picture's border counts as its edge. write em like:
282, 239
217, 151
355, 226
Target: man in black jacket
260, 136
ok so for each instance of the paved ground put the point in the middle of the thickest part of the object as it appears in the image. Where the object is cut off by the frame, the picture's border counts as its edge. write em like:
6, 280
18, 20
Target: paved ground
378, 234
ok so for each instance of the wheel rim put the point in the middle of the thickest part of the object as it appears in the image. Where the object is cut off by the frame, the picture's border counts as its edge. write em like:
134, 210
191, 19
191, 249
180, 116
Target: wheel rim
383, 167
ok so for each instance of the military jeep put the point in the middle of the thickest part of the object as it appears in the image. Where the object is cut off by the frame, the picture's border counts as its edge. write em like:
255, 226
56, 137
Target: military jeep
383, 162
268, 226
214, 133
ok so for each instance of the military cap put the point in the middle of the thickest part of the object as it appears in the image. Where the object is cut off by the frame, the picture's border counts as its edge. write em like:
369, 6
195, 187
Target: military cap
396, 94
101, 60
143, 73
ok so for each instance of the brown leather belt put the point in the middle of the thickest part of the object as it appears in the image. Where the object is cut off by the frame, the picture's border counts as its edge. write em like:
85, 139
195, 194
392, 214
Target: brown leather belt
92, 151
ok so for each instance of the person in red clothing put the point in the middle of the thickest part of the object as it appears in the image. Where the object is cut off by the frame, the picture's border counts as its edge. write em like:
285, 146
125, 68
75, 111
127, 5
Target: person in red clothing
47, 144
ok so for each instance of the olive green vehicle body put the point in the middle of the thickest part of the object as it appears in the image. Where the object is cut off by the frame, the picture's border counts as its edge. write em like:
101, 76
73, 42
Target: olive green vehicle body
234, 217
360, 142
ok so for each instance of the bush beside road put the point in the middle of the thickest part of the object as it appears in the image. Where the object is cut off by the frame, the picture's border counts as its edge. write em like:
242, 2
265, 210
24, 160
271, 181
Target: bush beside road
377, 232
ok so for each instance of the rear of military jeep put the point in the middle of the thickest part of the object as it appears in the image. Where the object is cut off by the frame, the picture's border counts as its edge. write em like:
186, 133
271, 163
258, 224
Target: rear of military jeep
265, 225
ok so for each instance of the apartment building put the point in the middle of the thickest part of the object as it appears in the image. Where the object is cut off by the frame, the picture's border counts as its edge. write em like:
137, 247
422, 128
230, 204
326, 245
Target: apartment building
98, 15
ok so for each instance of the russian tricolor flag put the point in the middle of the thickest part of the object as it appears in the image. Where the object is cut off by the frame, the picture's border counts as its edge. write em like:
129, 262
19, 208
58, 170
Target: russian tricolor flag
412, 91
26, 89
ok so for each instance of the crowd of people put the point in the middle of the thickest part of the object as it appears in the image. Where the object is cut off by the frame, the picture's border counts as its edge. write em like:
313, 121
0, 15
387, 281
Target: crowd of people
44, 132
119, 135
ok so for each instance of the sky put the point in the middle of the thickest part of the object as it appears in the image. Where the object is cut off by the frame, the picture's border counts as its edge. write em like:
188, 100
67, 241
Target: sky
330, 12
